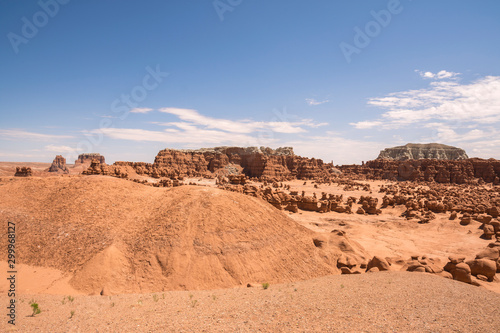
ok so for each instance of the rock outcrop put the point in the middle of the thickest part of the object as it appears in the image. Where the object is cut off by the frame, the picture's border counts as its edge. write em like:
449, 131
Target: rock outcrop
59, 165
87, 158
418, 151
23, 172
98, 168
470, 170
263, 163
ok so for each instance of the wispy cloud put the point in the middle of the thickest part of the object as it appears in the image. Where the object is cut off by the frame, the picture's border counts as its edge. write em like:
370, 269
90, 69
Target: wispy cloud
59, 149
16, 134
192, 118
141, 110
312, 101
189, 136
366, 124
446, 101
437, 76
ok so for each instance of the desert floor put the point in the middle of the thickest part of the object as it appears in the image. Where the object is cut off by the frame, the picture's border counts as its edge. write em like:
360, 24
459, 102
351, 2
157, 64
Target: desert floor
374, 302
391, 301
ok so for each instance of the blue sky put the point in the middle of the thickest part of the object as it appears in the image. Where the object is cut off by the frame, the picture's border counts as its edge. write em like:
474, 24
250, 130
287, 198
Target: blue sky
337, 80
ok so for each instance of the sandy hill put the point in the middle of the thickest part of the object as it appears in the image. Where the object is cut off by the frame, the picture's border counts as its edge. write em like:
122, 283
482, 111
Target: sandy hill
124, 237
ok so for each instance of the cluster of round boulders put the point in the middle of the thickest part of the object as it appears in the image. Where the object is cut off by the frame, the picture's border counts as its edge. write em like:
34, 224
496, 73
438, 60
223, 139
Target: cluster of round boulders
368, 206
459, 270
422, 201
293, 201
423, 264
483, 268
98, 168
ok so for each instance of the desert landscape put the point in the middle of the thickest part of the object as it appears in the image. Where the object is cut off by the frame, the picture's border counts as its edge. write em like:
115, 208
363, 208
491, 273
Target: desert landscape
248, 239
250, 166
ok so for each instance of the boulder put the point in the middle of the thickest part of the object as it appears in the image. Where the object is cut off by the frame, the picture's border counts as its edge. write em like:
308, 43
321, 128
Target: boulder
484, 267
380, 263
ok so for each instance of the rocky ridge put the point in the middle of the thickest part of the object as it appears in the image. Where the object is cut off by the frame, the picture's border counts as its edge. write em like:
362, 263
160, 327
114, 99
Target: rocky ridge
469, 171
254, 162
87, 158
417, 151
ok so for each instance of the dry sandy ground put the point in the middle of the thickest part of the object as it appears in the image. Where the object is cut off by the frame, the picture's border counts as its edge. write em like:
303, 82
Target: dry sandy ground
379, 302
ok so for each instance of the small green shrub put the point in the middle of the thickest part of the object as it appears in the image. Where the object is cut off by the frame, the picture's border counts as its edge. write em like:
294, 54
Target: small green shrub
72, 314
35, 308
265, 285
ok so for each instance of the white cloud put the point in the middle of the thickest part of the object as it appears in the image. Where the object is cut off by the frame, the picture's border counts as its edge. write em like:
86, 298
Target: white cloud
438, 76
312, 101
190, 136
477, 102
141, 110
366, 124
194, 118
60, 149
461, 114
11, 134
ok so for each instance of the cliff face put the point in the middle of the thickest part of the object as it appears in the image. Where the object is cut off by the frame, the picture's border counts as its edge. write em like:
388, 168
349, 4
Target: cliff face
440, 171
263, 162
416, 151
87, 158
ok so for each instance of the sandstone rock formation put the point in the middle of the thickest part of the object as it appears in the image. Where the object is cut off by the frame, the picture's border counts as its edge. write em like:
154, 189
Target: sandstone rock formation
59, 165
87, 158
98, 168
471, 170
263, 163
23, 172
417, 151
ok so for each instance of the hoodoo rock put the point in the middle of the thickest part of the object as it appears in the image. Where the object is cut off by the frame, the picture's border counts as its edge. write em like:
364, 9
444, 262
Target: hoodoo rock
59, 165
87, 158
418, 151
23, 172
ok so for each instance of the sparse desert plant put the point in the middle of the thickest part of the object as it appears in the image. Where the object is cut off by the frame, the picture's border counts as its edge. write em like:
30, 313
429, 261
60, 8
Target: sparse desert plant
35, 308
113, 304
265, 285
163, 295
72, 314
194, 302
191, 296
71, 298
214, 297
155, 298
342, 286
